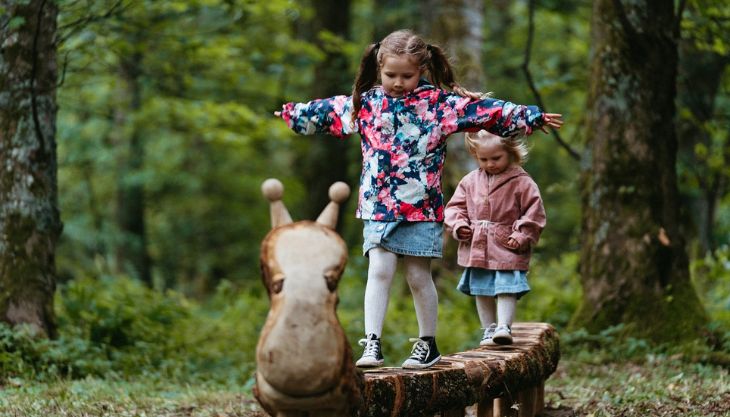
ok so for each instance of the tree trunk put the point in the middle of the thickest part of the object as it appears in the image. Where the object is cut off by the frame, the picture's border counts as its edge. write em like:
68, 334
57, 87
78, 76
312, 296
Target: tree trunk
327, 159
634, 266
132, 255
29, 219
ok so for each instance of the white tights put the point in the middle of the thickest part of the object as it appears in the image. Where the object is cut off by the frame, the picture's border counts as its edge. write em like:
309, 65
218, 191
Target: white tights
504, 309
377, 291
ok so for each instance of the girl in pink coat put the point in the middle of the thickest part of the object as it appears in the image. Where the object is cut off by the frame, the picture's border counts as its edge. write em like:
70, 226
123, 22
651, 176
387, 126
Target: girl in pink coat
497, 215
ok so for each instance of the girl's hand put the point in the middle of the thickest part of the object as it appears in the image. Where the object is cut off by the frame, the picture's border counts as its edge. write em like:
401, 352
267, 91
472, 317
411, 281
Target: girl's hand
463, 233
554, 120
277, 113
512, 244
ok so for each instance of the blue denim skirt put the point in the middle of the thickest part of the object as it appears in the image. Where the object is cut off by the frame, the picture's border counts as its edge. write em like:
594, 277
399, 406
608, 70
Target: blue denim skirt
479, 281
404, 238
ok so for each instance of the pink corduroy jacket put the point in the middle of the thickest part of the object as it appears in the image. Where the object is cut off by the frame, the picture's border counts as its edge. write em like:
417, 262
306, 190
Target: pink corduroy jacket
496, 207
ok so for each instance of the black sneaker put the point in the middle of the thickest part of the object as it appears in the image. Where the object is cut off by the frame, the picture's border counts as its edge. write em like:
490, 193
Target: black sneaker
423, 355
372, 356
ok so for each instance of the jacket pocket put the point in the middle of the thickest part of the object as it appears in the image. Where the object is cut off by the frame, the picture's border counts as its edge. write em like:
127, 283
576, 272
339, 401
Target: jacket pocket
501, 235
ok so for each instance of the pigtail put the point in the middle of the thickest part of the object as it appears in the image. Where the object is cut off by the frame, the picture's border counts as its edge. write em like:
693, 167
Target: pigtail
441, 73
366, 77
439, 67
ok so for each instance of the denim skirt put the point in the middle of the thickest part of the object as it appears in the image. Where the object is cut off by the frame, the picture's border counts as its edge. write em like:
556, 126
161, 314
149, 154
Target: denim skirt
479, 281
404, 238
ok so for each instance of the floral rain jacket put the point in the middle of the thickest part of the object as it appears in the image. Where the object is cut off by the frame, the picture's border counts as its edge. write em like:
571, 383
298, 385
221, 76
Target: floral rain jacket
403, 141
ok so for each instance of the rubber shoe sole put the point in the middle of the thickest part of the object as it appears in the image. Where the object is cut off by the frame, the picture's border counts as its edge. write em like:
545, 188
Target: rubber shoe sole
502, 337
369, 362
414, 364
487, 342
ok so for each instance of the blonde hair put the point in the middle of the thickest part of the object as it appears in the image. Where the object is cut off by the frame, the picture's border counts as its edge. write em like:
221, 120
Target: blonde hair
430, 58
516, 147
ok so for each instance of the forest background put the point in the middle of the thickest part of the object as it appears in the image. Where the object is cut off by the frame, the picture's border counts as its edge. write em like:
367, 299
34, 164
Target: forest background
165, 133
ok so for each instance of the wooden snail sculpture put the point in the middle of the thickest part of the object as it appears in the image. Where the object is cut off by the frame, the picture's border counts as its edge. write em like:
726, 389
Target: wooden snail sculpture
304, 361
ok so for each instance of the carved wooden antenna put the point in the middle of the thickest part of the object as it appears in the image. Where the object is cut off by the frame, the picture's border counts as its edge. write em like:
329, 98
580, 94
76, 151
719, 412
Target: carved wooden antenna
273, 190
338, 193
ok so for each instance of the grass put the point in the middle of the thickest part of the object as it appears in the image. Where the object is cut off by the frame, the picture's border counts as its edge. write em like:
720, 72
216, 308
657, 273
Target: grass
654, 385
118, 398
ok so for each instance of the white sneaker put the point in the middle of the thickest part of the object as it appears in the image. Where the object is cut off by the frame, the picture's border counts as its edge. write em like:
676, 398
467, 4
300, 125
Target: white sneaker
488, 335
372, 357
502, 335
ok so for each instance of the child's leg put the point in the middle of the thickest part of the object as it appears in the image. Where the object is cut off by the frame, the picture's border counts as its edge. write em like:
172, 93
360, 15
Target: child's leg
425, 353
425, 298
377, 291
506, 304
487, 310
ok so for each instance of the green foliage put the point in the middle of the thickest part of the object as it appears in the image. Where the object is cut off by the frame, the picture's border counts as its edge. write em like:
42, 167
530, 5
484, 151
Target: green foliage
711, 277
120, 328
204, 113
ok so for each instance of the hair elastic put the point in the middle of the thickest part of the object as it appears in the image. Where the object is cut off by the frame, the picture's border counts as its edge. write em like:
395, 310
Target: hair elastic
377, 45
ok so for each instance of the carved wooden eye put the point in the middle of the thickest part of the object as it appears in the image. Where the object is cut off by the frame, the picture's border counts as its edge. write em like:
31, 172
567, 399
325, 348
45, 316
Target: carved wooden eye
277, 283
332, 278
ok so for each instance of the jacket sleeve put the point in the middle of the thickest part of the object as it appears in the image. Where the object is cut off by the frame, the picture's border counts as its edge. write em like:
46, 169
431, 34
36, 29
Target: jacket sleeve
526, 230
456, 213
332, 116
499, 117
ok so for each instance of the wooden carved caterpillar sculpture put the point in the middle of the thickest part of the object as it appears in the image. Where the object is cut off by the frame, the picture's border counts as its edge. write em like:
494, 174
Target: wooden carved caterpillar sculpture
304, 361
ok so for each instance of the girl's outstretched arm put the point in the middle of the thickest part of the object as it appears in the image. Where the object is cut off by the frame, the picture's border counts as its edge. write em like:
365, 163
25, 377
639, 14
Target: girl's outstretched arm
499, 117
332, 116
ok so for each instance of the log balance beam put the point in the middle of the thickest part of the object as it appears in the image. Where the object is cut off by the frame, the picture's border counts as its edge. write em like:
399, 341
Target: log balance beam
489, 381
304, 364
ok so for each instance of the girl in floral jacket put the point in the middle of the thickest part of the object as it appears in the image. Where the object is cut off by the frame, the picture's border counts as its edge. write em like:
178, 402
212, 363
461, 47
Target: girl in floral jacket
403, 121
497, 215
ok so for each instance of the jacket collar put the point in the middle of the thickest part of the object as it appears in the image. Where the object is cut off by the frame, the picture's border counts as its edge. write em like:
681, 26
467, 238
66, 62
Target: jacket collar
423, 85
506, 175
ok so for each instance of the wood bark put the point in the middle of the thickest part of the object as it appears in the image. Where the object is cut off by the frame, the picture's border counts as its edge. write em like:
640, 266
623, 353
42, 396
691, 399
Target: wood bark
462, 379
634, 266
29, 218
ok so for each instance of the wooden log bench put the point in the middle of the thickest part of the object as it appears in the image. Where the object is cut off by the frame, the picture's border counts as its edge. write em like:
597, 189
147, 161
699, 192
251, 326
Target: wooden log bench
304, 365
492, 381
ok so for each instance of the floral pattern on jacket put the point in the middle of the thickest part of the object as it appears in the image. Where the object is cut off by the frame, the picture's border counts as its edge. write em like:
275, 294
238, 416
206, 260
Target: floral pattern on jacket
496, 208
403, 141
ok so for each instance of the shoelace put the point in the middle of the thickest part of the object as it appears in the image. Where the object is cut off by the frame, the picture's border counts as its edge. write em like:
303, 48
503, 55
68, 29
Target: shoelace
488, 331
371, 347
420, 349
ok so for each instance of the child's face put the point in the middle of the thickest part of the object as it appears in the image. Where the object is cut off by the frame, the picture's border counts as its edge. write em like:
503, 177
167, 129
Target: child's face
399, 74
492, 157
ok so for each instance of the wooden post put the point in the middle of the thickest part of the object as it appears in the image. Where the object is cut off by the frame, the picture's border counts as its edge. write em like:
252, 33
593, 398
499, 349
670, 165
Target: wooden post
526, 400
485, 408
540, 400
503, 407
